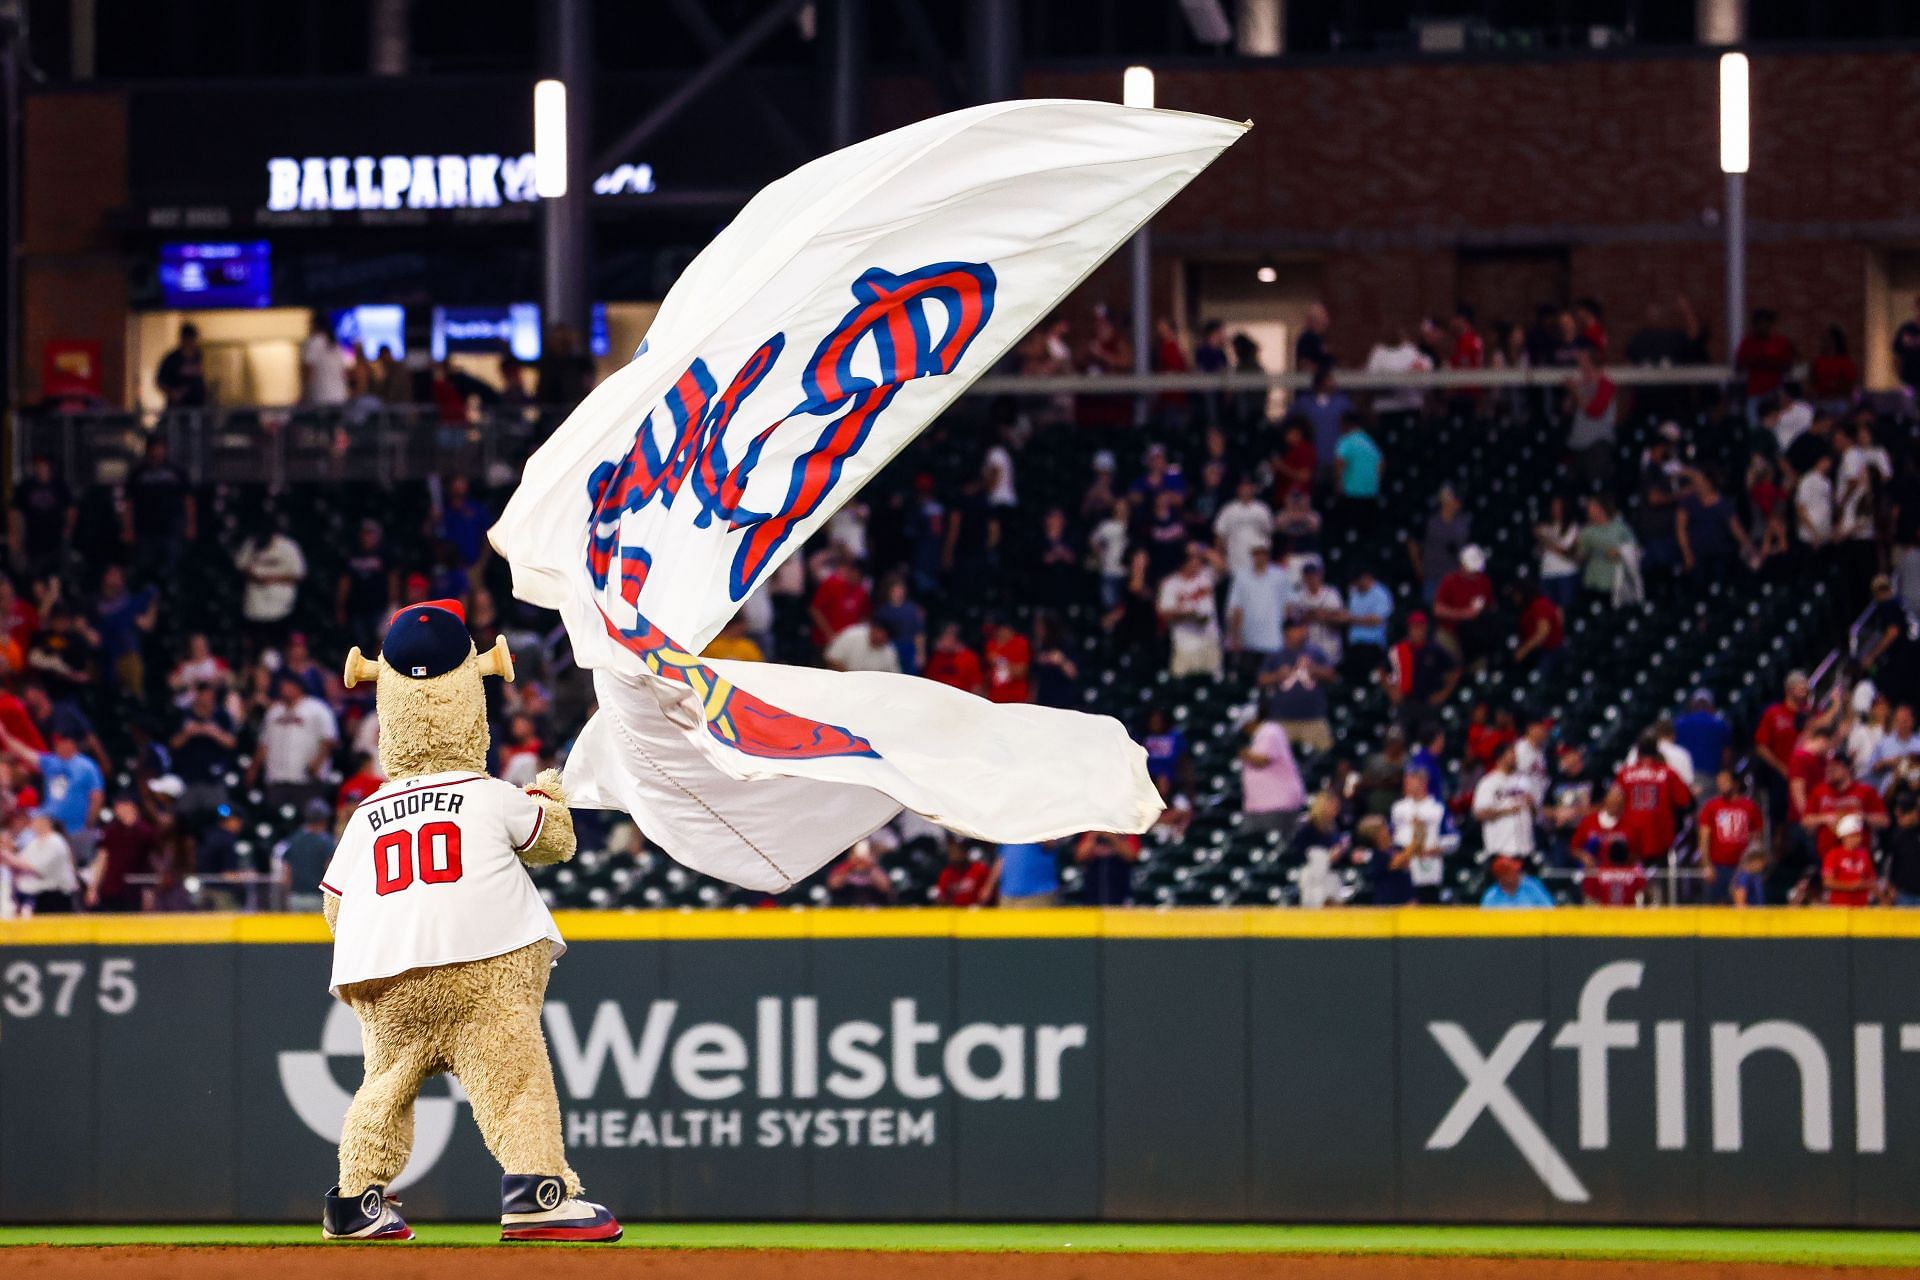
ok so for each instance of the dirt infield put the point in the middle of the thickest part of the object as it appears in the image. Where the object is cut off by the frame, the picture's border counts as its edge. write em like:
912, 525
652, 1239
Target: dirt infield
412, 1262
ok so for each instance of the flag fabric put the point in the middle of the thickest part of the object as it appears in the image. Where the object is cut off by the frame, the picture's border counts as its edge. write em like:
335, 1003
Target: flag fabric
847, 305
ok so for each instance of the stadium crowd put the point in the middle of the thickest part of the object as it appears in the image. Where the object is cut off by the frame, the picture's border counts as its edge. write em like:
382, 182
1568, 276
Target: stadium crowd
173, 732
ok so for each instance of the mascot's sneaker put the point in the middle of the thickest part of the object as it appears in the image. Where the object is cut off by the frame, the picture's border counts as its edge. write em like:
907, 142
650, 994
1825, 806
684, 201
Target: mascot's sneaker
373, 1215
535, 1207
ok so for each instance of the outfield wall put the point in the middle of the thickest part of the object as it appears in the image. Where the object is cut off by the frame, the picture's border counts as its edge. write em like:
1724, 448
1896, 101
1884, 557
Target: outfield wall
1420, 1065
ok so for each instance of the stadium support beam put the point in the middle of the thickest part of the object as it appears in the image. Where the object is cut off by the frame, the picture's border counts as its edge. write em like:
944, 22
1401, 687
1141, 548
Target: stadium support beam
693, 15
1262, 30
750, 37
389, 38
993, 49
933, 59
846, 42
565, 226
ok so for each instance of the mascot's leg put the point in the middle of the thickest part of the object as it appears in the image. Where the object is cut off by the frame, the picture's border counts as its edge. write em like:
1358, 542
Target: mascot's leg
499, 1055
377, 1137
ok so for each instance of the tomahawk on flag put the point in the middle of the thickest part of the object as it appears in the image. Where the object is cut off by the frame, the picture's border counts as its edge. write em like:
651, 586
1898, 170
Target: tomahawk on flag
848, 304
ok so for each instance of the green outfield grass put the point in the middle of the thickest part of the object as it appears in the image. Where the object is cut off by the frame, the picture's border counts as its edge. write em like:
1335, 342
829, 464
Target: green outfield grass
1857, 1248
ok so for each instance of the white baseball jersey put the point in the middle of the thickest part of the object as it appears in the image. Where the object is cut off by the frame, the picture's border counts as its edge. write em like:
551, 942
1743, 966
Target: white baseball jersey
427, 874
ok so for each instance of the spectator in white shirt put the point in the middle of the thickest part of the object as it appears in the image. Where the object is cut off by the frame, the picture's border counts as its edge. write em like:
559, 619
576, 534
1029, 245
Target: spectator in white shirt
1257, 607
1672, 754
1243, 524
1530, 758
1322, 608
1420, 823
274, 567
1108, 546
1503, 805
1187, 609
44, 876
1394, 407
1795, 420
864, 646
323, 367
297, 737
996, 472
1813, 505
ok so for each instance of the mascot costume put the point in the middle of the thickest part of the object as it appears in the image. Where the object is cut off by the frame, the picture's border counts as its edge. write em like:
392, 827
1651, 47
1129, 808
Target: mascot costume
845, 308
441, 943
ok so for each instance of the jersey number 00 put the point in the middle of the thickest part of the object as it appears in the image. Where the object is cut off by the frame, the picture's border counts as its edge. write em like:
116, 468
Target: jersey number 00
433, 856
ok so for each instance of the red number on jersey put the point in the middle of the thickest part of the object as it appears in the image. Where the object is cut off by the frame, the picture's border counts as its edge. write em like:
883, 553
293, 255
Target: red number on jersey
392, 862
439, 853
439, 861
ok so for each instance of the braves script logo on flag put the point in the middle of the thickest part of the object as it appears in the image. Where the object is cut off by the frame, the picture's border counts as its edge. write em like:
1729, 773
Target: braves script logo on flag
913, 325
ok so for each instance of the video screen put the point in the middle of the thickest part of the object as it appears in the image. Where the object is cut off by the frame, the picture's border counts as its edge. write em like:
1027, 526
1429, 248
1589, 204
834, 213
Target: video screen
516, 327
216, 275
372, 329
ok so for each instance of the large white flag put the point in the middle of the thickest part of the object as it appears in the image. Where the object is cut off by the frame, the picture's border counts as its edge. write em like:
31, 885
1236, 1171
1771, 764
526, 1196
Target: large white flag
847, 305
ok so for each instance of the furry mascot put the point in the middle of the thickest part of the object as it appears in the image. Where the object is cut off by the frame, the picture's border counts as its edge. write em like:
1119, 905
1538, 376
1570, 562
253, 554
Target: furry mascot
442, 945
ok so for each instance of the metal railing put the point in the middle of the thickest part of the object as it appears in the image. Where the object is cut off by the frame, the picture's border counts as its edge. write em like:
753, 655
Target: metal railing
278, 446
381, 444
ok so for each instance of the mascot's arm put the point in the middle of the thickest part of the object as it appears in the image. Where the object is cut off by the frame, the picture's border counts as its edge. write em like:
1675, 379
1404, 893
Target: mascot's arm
330, 908
555, 842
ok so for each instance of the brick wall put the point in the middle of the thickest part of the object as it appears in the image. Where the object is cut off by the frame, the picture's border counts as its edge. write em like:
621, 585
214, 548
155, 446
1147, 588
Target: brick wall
73, 270
1385, 174
1389, 172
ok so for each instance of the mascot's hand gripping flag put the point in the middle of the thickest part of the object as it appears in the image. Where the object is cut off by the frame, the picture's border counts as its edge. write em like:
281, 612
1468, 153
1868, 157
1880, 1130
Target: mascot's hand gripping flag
847, 305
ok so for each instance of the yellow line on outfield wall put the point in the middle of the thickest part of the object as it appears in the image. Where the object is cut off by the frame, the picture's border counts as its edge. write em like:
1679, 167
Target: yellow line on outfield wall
1060, 922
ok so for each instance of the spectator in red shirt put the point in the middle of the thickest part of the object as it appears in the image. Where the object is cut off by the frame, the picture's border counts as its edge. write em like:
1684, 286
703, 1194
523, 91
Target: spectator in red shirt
1294, 465
1601, 839
964, 878
1806, 770
1841, 796
1588, 318
1542, 631
1656, 797
1469, 352
952, 663
1463, 605
1488, 734
1616, 882
1833, 376
1846, 869
1009, 659
1729, 826
839, 601
1763, 356
1773, 742
17, 723
126, 848
366, 780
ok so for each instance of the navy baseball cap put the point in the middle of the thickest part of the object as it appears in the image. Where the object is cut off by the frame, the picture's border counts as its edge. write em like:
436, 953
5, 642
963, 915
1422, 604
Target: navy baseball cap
427, 639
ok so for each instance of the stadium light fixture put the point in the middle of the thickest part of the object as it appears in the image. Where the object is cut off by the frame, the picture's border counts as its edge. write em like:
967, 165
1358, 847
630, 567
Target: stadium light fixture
1136, 87
550, 139
1735, 138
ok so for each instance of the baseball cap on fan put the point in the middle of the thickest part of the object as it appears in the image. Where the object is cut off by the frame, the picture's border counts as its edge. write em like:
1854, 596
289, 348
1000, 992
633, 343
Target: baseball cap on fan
427, 639
1472, 558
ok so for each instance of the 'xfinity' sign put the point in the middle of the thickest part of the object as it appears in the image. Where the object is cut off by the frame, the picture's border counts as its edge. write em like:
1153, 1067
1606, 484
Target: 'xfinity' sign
1594, 1035
478, 180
